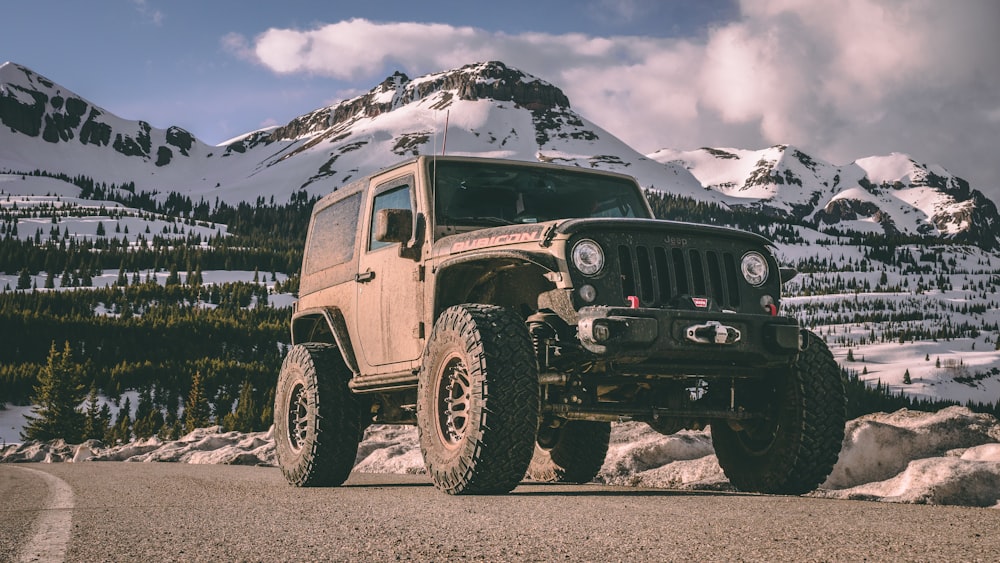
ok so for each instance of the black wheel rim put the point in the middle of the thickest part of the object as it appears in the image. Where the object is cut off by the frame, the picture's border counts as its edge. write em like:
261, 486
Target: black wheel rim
454, 395
298, 420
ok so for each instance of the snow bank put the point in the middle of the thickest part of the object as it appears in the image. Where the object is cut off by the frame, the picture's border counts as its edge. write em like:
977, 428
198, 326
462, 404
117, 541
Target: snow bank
641, 457
879, 446
948, 457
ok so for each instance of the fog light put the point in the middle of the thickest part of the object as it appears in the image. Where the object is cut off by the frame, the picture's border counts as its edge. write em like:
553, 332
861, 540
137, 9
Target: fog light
588, 293
767, 303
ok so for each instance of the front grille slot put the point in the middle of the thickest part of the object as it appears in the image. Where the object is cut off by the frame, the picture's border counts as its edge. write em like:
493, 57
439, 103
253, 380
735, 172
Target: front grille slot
657, 275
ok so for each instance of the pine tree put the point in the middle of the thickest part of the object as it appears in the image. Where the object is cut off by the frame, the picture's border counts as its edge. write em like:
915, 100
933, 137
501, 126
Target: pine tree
196, 409
57, 395
906, 378
142, 412
171, 427
94, 427
123, 425
267, 413
195, 279
246, 416
105, 418
24, 279
173, 278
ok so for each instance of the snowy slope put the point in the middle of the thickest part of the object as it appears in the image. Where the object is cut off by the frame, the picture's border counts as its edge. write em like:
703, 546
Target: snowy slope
782, 175
485, 109
880, 194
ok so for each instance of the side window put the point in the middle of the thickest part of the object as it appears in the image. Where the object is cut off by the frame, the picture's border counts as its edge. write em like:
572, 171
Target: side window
331, 241
395, 198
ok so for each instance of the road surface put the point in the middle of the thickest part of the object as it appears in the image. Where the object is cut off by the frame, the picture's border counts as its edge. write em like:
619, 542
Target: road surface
103, 511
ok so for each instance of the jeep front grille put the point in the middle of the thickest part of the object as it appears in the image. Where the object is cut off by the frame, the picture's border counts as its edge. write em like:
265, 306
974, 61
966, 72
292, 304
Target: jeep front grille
657, 274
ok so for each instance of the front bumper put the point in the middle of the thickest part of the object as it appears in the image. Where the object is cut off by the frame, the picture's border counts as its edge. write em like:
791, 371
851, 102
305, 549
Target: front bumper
688, 336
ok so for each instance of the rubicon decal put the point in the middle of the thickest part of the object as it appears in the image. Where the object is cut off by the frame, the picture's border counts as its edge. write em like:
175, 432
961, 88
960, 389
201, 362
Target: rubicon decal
521, 235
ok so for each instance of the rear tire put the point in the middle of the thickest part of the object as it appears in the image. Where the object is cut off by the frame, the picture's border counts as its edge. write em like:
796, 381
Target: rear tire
317, 419
572, 453
477, 400
795, 449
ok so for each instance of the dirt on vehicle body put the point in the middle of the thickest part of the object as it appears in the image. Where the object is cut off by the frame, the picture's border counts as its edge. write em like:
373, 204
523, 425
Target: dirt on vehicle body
513, 310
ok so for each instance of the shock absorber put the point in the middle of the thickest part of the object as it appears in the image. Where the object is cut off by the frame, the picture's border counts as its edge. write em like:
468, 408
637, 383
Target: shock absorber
541, 336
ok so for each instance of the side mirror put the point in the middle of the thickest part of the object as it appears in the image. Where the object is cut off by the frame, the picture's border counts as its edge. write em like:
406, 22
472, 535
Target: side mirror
393, 225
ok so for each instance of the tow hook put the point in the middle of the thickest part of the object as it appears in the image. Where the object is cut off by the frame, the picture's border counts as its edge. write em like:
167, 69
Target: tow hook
713, 332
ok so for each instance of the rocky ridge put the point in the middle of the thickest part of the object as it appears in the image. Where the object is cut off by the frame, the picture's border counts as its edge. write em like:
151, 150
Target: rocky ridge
494, 110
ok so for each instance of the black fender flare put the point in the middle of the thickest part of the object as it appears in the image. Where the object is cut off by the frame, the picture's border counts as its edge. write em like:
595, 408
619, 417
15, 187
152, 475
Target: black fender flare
304, 329
543, 261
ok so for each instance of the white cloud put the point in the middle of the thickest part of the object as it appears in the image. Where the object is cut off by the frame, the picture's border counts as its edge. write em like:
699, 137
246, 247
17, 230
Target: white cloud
842, 80
153, 15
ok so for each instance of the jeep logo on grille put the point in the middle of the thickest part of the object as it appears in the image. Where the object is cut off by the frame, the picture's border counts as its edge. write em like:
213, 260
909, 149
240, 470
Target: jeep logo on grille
675, 241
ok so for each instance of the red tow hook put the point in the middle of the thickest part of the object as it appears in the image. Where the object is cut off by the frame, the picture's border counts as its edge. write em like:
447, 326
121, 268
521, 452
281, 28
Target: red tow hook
633, 302
773, 309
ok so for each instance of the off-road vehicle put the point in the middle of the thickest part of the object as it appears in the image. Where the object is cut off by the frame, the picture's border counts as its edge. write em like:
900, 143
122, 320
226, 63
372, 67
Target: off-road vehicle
514, 310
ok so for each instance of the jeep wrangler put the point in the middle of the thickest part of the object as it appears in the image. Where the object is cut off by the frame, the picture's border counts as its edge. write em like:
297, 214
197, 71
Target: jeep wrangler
512, 311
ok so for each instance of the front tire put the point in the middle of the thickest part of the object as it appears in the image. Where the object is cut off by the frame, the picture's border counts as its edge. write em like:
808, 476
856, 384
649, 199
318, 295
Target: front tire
317, 419
793, 450
572, 453
477, 400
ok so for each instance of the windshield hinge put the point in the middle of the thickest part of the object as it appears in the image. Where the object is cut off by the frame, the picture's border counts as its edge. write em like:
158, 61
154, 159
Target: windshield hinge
548, 235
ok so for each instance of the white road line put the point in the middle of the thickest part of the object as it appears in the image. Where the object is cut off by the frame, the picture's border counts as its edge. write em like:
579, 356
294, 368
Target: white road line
55, 522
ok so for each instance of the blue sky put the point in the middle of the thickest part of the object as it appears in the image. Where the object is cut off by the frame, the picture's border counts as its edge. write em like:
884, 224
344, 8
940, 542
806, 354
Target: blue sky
841, 80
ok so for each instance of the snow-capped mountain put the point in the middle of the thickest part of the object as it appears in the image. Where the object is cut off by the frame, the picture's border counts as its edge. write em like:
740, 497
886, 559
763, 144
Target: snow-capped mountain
485, 109
889, 195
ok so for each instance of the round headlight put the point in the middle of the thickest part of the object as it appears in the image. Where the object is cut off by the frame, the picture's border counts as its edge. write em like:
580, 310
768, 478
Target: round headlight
588, 257
754, 267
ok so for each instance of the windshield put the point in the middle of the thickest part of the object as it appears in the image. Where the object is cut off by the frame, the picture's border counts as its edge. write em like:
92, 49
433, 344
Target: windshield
487, 194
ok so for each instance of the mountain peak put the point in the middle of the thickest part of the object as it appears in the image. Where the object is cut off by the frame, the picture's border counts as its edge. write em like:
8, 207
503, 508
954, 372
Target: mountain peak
491, 80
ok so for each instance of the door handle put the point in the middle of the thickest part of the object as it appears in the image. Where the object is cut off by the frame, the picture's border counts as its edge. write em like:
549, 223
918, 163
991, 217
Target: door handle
364, 277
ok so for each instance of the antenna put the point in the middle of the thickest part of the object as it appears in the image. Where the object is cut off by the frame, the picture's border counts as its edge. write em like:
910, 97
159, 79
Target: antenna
444, 143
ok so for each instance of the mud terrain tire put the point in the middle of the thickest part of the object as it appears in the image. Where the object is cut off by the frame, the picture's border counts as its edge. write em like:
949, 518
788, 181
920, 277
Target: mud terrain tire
573, 453
317, 420
477, 400
793, 451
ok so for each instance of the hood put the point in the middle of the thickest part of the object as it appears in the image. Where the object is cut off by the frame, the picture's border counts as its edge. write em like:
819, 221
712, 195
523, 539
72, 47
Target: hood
493, 237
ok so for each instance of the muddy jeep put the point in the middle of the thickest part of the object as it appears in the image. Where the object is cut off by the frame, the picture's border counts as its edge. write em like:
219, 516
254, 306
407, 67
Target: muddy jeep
513, 310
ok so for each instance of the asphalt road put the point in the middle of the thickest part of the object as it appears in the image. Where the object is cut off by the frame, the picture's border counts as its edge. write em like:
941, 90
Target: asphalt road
176, 512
